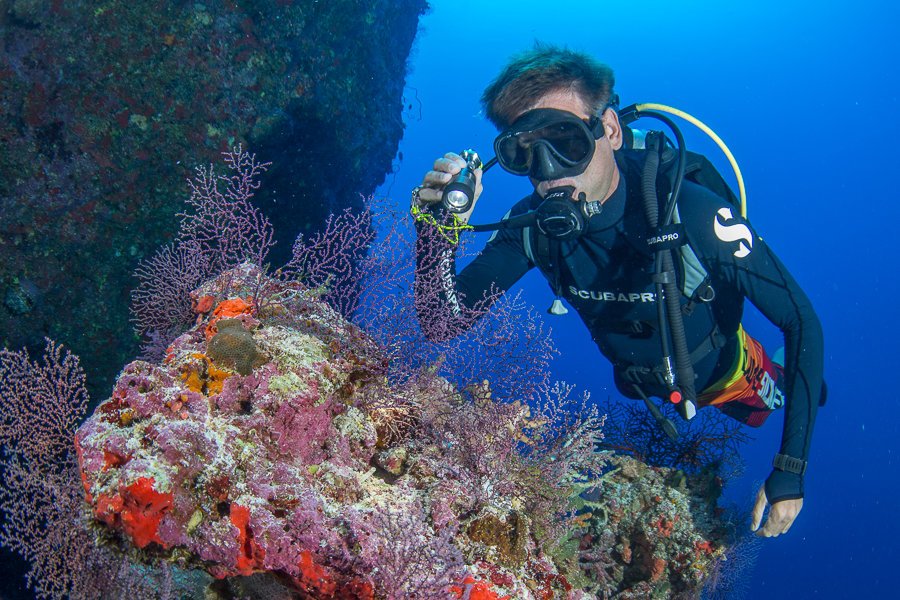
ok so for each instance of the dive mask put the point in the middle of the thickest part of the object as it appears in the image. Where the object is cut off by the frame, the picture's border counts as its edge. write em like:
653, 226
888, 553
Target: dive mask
547, 144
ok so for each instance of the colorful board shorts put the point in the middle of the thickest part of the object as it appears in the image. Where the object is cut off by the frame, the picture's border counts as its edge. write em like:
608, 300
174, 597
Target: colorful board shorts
753, 387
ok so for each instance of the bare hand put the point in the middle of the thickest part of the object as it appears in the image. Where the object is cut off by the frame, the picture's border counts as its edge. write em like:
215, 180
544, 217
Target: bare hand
444, 169
781, 515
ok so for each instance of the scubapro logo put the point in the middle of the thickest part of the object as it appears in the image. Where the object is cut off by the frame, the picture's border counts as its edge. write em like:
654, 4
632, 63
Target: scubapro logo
612, 296
661, 239
733, 233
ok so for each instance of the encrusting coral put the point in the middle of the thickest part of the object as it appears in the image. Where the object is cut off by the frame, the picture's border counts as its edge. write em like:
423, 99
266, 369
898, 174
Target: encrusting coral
233, 347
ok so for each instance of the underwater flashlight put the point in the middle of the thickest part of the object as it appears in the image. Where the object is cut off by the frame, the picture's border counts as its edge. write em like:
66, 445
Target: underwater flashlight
460, 192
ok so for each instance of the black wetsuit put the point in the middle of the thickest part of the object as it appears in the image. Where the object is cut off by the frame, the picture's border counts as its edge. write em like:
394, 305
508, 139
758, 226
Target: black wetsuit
606, 276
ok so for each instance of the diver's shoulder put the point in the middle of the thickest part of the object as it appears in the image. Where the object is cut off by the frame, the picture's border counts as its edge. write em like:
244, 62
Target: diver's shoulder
694, 198
525, 204
706, 217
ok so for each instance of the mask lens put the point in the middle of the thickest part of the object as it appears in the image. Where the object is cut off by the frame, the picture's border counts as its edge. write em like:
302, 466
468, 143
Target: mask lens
570, 141
514, 154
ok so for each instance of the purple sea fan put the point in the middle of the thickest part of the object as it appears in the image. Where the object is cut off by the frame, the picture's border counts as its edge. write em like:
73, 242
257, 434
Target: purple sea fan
479, 439
221, 232
161, 302
227, 229
331, 259
405, 557
42, 403
559, 446
41, 496
41, 406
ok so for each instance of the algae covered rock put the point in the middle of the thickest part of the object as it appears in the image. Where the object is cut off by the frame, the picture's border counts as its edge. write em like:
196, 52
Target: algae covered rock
273, 456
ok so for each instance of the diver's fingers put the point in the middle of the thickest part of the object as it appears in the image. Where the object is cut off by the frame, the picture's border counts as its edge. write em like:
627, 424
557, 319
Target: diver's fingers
450, 163
788, 525
781, 517
785, 519
772, 527
444, 169
758, 508
788, 510
436, 179
430, 195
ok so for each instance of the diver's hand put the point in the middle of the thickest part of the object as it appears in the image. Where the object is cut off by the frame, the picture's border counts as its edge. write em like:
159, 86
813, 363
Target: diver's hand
781, 515
435, 180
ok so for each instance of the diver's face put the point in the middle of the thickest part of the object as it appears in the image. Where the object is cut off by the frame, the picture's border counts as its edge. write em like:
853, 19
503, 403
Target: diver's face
600, 178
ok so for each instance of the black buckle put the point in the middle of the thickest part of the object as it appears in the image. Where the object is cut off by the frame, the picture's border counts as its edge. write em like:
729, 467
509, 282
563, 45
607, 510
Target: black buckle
642, 375
783, 462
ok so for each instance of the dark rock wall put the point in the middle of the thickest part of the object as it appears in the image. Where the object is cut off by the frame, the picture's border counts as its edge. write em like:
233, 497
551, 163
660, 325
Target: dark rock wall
106, 107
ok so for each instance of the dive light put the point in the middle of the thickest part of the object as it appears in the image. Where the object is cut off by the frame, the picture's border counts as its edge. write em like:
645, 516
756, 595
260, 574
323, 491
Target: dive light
460, 192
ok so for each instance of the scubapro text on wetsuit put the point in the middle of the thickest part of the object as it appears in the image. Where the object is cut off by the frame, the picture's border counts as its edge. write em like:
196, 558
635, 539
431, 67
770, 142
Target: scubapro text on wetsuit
612, 296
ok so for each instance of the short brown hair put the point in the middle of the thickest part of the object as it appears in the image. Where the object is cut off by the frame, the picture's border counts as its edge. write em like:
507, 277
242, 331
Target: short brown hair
541, 70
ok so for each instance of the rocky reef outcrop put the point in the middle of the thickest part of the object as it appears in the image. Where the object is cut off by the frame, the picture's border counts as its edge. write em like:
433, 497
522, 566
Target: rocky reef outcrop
101, 103
297, 433
271, 439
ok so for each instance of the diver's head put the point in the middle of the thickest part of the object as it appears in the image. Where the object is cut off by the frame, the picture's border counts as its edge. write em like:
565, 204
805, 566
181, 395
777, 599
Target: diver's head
575, 93
540, 71
555, 142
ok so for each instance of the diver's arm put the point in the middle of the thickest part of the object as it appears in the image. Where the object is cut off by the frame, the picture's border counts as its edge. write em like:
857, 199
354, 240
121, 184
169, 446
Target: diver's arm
775, 293
439, 304
447, 304
736, 255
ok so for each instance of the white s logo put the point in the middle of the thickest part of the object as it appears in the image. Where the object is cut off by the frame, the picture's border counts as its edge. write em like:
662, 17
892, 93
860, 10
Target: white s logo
733, 233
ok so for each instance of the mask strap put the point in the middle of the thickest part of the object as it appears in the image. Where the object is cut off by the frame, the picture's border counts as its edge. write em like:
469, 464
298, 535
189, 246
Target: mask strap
596, 122
596, 125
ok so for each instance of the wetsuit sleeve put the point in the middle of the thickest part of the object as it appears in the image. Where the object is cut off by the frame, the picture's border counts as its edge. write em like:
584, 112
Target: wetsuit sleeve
446, 303
736, 256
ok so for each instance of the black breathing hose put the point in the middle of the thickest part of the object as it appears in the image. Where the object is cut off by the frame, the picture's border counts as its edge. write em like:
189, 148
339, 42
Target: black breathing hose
665, 270
679, 167
651, 210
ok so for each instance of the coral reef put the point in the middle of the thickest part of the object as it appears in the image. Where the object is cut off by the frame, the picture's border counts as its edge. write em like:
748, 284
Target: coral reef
41, 500
295, 468
654, 533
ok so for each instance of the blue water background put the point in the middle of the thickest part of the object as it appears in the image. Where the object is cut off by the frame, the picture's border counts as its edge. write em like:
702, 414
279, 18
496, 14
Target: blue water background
806, 96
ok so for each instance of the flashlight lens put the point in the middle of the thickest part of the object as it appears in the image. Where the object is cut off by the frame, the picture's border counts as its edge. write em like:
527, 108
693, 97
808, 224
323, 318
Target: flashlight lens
457, 201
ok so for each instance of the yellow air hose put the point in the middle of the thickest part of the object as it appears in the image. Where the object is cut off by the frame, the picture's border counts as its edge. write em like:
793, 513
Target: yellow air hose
712, 134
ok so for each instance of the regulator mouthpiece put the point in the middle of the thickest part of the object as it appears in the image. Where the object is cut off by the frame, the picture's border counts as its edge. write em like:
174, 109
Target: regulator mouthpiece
560, 217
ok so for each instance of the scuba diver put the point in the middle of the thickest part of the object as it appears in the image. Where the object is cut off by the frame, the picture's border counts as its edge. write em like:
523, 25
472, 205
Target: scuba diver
646, 242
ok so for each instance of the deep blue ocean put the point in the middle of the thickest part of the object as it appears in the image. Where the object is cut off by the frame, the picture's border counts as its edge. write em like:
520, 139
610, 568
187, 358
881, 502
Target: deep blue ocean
805, 94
